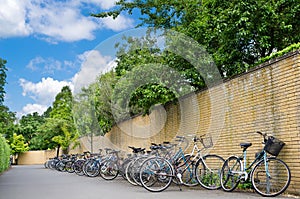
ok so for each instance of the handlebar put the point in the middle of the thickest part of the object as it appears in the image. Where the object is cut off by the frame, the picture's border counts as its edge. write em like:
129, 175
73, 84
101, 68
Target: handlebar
264, 135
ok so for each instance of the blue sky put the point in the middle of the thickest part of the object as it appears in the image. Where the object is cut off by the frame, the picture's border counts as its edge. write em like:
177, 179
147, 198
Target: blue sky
46, 45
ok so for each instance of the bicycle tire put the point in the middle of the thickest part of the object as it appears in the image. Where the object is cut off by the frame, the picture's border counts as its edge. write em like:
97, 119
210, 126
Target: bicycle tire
208, 171
186, 166
109, 170
229, 179
136, 167
156, 174
69, 167
77, 167
277, 183
91, 168
60, 166
123, 167
128, 172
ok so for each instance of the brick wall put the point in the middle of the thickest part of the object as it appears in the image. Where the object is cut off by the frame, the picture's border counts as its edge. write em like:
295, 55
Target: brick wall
267, 99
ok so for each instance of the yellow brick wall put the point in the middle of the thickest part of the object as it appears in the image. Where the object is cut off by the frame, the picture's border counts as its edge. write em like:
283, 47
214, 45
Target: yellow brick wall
266, 99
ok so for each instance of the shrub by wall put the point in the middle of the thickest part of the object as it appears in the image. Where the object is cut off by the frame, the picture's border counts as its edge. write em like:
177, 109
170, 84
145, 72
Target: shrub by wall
4, 154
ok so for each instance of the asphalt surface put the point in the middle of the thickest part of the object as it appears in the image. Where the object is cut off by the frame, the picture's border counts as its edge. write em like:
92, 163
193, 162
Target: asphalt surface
36, 182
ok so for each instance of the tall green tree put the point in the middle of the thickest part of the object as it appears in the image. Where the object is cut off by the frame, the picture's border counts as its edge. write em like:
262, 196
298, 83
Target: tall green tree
18, 145
62, 106
28, 126
3, 70
62, 116
237, 33
57, 128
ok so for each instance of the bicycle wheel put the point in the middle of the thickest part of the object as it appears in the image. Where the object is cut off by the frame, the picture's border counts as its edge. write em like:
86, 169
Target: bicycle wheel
136, 167
109, 170
123, 167
156, 174
60, 166
69, 167
230, 177
208, 171
128, 173
273, 182
77, 166
186, 166
91, 168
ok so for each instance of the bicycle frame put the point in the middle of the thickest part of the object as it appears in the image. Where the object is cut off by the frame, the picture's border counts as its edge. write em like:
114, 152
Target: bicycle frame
246, 171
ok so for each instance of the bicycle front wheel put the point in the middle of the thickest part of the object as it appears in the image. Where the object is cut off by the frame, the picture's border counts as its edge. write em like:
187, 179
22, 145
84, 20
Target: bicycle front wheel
230, 173
272, 178
91, 168
109, 170
156, 174
186, 166
208, 170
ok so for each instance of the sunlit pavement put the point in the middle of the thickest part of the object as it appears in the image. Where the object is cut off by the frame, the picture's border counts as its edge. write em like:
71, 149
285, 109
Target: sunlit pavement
36, 182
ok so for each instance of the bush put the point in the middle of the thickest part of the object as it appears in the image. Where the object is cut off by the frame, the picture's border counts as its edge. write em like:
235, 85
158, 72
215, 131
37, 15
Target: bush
286, 50
4, 154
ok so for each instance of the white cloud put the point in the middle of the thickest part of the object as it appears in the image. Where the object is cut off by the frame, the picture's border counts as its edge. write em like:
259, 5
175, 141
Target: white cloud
104, 4
46, 65
61, 21
56, 20
93, 64
31, 108
43, 92
118, 24
12, 19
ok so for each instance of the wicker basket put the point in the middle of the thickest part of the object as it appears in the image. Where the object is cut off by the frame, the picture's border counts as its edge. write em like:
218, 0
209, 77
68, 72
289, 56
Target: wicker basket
273, 146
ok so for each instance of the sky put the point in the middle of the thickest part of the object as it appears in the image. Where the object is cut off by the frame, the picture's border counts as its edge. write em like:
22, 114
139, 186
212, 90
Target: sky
51, 44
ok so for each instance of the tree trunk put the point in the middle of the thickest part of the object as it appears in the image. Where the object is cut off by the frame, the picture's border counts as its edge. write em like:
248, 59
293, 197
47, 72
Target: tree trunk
57, 152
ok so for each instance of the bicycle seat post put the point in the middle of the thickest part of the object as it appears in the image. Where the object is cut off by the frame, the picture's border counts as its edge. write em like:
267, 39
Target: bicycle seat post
244, 146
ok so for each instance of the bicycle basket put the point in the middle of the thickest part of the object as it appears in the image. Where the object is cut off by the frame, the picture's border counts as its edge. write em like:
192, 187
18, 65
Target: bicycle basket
273, 146
207, 142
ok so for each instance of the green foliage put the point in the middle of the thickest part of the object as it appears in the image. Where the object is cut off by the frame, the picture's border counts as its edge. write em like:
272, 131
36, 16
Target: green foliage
62, 106
2, 80
245, 185
286, 50
92, 106
17, 144
55, 128
66, 136
45, 132
237, 33
7, 119
4, 154
28, 126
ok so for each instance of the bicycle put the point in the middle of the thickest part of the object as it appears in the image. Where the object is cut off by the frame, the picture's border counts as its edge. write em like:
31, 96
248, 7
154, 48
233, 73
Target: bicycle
205, 169
157, 173
269, 176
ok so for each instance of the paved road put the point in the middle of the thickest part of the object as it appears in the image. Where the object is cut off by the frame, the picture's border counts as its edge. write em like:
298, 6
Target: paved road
36, 182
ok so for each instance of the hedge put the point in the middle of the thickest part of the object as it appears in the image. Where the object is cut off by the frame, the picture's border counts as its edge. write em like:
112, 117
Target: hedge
4, 154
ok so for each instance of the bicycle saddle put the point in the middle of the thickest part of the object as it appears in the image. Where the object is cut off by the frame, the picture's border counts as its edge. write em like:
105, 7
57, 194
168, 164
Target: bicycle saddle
245, 145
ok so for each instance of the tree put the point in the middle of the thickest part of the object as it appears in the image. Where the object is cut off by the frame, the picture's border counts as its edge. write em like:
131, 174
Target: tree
3, 70
65, 134
62, 120
237, 33
56, 128
28, 126
62, 106
92, 112
18, 145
